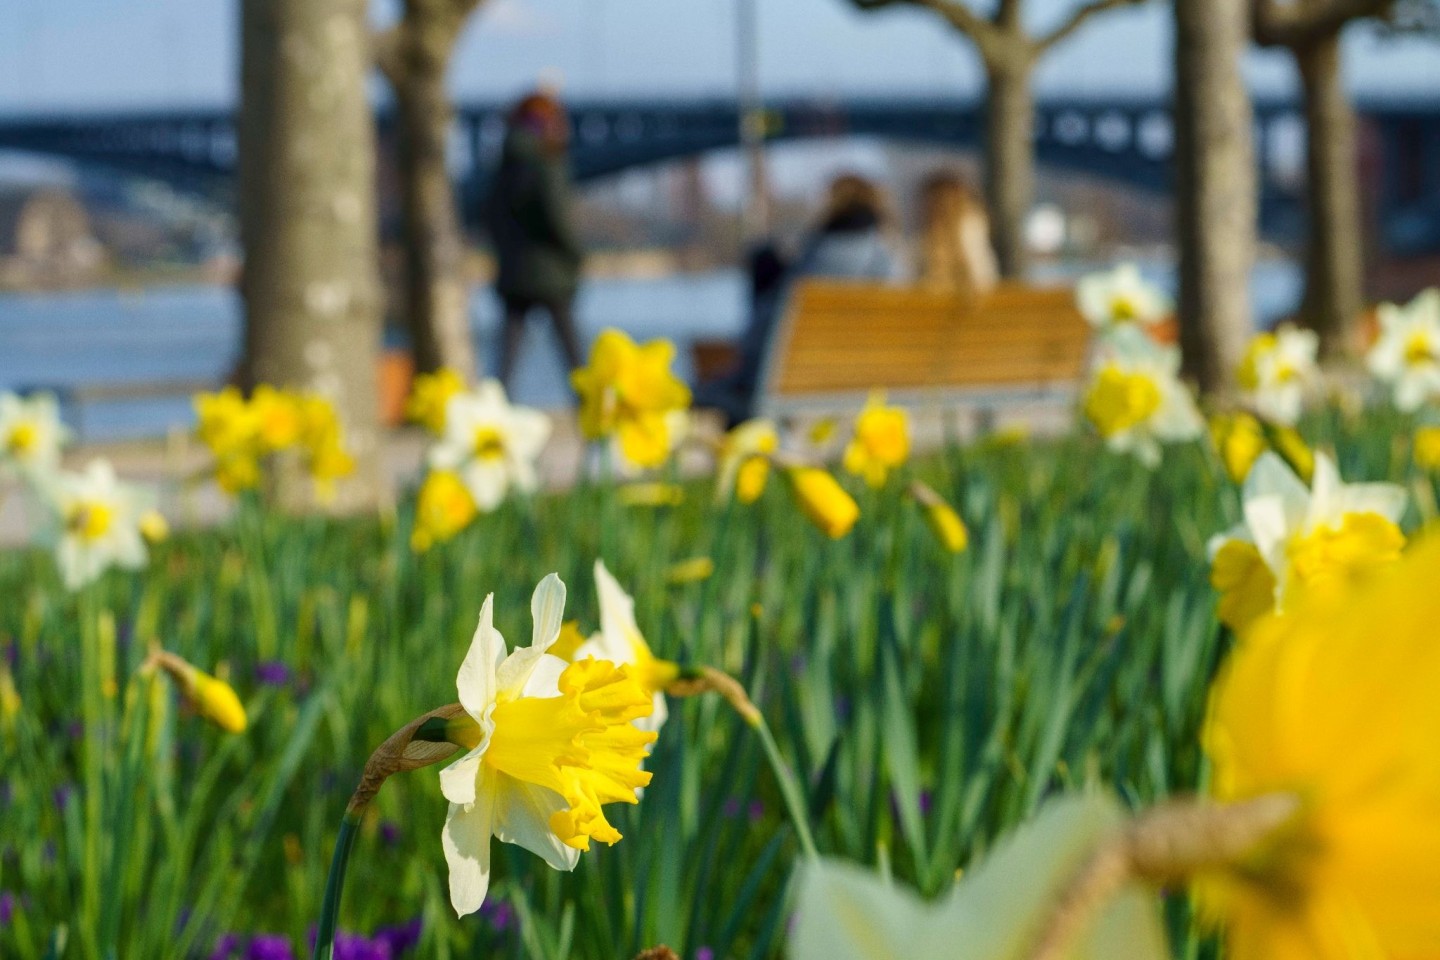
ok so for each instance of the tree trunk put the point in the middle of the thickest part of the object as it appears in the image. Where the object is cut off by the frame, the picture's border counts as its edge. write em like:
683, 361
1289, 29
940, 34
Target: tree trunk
311, 286
1334, 260
1009, 157
1215, 197
437, 302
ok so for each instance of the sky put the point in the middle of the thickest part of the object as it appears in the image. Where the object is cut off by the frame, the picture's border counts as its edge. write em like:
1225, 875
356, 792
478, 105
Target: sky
66, 55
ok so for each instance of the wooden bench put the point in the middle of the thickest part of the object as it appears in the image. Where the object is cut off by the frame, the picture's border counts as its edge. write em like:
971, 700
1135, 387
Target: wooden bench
837, 341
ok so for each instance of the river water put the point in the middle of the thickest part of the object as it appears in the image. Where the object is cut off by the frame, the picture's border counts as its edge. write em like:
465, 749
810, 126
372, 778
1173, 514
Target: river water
184, 333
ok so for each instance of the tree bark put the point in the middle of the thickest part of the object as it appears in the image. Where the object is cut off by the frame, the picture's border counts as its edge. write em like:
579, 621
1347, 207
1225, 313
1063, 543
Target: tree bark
1334, 258
437, 302
1009, 157
311, 268
1215, 187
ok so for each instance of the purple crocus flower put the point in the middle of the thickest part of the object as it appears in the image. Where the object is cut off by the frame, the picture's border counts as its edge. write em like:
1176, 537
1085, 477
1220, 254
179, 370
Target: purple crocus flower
402, 937
704, 953
7, 907
225, 947
755, 811
269, 946
352, 946
390, 835
730, 809
500, 914
272, 673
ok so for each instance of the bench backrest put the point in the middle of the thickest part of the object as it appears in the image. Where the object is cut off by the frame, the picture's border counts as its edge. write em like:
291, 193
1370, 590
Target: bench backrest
836, 341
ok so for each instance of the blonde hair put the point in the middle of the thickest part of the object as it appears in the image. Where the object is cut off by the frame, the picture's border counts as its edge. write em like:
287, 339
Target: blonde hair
955, 252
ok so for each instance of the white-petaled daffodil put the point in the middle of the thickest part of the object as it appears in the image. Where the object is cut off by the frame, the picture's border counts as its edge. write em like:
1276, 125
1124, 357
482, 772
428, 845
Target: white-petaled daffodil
1407, 354
1275, 372
1294, 538
31, 433
549, 744
96, 524
1121, 298
1135, 399
491, 444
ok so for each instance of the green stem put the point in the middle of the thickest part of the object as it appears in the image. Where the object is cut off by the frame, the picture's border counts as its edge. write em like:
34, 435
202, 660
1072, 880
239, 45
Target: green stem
789, 787
334, 883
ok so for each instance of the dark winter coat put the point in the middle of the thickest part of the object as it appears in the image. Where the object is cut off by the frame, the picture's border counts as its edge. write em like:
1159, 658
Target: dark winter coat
530, 220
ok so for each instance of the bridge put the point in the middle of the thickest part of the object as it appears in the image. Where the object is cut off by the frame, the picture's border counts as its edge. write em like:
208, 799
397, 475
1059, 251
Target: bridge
1129, 141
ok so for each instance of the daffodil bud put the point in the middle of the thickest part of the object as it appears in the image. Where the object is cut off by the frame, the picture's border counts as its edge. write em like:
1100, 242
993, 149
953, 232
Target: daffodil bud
822, 499
9, 698
211, 697
154, 527
941, 518
690, 571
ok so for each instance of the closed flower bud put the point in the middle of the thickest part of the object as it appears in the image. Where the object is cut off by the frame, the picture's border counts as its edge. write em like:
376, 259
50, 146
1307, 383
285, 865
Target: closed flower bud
211, 697
154, 527
823, 500
941, 518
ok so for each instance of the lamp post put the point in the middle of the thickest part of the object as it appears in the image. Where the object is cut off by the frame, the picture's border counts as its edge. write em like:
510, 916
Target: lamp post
755, 212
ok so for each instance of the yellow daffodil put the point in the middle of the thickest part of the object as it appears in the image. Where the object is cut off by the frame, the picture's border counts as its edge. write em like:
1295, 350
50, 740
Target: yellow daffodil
1427, 448
822, 499
881, 441
225, 424
620, 641
1135, 400
1335, 704
941, 518
443, 508
491, 444
1275, 372
31, 433
279, 418
627, 392
237, 473
549, 744
1121, 298
1298, 540
1239, 440
745, 460
429, 398
1407, 353
96, 524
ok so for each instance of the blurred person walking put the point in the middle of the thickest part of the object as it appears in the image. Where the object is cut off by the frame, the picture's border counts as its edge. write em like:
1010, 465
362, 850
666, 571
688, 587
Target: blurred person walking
530, 215
954, 243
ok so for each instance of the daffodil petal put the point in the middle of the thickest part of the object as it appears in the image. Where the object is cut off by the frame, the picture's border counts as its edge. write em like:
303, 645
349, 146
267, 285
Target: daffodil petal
547, 610
466, 842
477, 681
522, 817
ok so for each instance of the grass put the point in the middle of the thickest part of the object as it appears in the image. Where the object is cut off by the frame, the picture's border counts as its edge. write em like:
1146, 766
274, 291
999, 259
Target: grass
928, 702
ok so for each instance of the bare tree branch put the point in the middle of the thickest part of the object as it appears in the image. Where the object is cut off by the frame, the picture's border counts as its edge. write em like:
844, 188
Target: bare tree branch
955, 12
1297, 24
1077, 18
